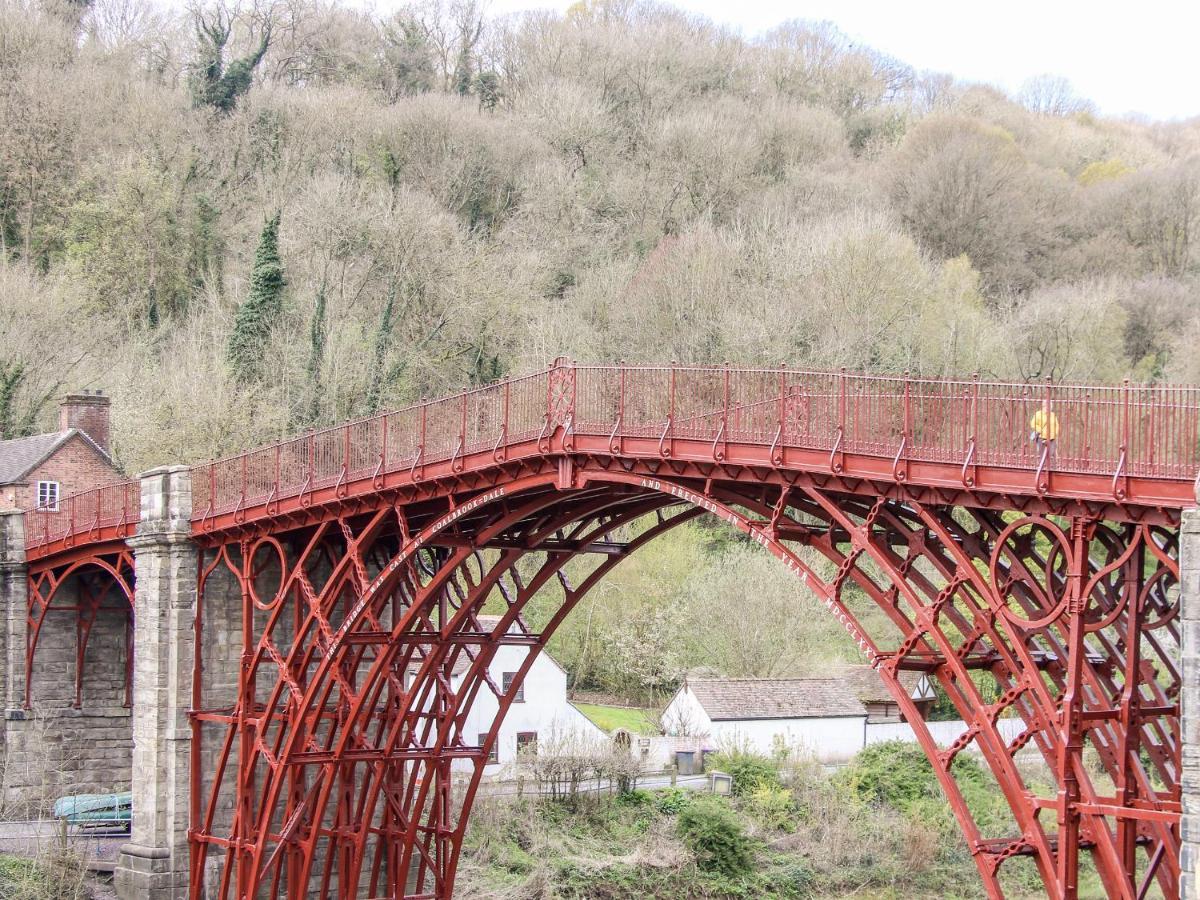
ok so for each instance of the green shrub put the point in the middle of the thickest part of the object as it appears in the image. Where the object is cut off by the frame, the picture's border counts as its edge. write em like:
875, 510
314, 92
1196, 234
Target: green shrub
898, 773
713, 833
749, 770
773, 807
672, 801
795, 878
636, 798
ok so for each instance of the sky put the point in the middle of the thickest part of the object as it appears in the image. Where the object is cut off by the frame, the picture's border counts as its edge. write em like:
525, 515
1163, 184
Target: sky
1127, 58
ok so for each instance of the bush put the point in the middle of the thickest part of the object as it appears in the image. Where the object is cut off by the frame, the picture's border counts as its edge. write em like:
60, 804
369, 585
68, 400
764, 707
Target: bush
749, 770
672, 801
898, 773
793, 878
712, 832
773, 807
636, 798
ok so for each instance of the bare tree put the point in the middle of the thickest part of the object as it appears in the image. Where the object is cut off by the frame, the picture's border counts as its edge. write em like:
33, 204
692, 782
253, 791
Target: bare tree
1052, 95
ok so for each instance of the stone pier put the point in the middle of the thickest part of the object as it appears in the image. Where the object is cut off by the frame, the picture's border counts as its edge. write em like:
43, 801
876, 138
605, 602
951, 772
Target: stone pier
14, 599
155, 861
1189, 577
58, 744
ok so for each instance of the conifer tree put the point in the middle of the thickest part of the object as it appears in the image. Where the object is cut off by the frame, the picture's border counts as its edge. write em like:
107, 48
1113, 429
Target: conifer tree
257, 315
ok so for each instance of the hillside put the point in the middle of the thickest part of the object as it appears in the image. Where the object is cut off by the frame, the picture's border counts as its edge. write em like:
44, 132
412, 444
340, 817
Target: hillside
461, 197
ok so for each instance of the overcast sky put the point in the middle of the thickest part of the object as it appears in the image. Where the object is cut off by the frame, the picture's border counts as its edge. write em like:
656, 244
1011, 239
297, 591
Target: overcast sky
1128, 57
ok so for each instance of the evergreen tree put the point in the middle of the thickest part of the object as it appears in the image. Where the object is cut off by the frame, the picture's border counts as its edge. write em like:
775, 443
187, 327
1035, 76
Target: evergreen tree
257, 315
485, 367
487, 87
408, 58
11, 376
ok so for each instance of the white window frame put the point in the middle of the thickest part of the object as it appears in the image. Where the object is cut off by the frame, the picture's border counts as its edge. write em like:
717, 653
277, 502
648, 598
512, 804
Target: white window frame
45, 488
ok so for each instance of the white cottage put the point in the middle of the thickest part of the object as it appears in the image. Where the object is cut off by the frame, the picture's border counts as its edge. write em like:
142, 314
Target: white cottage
539, 713
821, 716
881, 706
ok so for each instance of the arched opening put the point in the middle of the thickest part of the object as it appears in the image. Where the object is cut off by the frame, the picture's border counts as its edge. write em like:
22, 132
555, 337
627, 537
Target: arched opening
74, 733
356, 684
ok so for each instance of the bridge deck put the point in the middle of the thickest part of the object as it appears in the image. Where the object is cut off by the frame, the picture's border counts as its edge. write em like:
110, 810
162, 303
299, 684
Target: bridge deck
1127, 451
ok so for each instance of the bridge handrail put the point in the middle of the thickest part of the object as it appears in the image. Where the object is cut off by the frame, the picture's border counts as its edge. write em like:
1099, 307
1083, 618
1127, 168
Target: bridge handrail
111, 508
1126, 430
1148, 430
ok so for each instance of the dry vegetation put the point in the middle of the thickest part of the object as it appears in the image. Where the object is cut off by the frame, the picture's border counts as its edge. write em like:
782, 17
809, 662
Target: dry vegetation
463, 196
877, 829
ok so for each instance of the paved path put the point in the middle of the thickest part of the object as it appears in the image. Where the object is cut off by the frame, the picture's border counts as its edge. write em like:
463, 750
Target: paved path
37, 836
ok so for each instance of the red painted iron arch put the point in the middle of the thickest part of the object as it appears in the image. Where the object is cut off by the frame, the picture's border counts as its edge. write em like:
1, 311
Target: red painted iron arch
861, 537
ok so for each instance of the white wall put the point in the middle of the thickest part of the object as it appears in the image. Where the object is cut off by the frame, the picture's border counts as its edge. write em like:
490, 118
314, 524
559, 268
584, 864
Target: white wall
832, 739
545, 709
826, 739
685, 716
944, 733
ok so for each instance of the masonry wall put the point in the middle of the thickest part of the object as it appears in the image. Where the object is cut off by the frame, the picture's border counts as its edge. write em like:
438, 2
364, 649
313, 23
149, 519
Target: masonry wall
54, 748
1189, 571
76, 466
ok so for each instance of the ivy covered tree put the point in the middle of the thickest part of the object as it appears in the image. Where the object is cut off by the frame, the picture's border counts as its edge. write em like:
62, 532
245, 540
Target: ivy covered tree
257, 315
487, 87
314, 387
212, 82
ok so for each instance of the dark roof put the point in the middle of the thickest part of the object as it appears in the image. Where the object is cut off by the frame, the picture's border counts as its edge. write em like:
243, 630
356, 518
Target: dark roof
868, 686
461, 662
19, 455
731, 699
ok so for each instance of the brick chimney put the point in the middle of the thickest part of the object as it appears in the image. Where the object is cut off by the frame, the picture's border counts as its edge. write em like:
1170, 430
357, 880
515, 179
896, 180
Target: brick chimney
89, 413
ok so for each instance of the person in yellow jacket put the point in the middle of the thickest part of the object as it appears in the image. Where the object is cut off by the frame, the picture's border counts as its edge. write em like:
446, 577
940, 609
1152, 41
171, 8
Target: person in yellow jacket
1043, 429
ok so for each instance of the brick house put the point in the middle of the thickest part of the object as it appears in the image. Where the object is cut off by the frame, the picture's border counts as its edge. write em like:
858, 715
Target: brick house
42, 469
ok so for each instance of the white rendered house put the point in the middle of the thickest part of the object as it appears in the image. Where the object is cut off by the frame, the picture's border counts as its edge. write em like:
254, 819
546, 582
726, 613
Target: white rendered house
540, 715
818, 716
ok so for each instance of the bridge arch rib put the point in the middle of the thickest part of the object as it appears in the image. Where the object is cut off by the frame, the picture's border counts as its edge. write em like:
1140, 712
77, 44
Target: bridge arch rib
331, 768
96, 581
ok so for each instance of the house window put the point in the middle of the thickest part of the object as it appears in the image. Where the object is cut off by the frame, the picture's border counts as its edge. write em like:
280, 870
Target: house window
493, 754
526, 743
47, 497
508, 679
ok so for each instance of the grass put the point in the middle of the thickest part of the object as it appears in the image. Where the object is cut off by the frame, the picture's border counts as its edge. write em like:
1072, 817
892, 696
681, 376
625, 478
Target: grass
610, 718
57, 876
877, 830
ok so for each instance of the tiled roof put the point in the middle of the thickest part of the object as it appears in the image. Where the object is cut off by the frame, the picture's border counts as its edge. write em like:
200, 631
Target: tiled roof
732, 699
868, 686
19, 455
462, 662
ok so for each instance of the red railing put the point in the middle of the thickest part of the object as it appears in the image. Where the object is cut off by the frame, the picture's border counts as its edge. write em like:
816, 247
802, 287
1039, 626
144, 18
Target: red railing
87, 515
1150, 431
1120, 431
